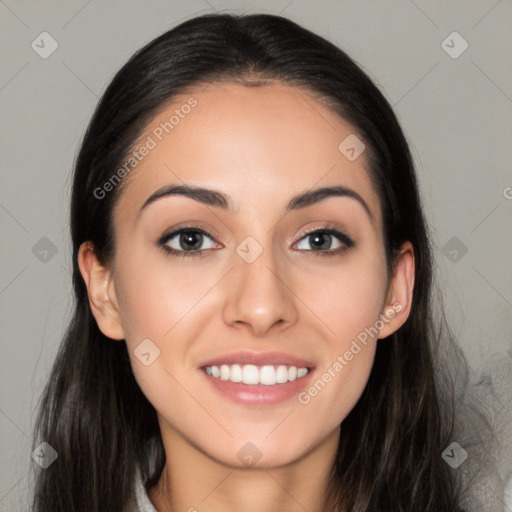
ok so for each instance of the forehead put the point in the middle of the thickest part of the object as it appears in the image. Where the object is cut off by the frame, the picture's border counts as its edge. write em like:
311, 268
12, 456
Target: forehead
259, 145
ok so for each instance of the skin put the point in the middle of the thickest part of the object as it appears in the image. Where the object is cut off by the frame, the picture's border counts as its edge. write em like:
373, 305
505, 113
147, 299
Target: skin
260, 146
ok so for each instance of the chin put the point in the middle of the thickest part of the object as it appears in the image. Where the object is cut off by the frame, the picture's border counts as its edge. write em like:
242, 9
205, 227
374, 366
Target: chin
261, 453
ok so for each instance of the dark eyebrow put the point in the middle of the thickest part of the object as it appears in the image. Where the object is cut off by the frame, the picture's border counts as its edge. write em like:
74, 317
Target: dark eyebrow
314, 196
203, 195
218, 199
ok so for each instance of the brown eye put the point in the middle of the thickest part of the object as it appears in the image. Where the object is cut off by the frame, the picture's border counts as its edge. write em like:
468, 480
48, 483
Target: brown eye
186, 242
325, 242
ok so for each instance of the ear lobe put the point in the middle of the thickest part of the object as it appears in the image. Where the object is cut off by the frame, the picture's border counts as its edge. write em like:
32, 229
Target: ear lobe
399, 299
101, 291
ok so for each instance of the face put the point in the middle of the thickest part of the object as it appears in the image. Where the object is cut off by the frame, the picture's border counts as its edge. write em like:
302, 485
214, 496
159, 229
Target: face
248, 283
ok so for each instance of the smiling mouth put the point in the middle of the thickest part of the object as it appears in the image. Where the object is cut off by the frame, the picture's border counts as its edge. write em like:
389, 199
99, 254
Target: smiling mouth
252, 375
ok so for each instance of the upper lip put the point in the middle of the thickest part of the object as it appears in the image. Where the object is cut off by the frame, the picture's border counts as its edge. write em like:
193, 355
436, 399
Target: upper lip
258, 359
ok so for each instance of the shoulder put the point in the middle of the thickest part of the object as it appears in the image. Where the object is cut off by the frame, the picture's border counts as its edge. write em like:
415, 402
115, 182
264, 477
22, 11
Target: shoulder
139, 501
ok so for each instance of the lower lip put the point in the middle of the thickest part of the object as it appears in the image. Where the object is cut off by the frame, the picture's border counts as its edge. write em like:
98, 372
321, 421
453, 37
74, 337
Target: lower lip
259, 394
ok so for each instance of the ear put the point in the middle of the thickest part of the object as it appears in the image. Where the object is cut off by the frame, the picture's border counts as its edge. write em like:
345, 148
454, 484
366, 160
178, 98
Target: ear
400, 291
101, 291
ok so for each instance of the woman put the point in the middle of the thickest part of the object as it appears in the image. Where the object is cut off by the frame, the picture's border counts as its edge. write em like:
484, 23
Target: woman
253, 327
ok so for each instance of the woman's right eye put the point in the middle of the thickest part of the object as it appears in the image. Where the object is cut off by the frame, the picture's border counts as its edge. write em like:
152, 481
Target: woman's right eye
186, 242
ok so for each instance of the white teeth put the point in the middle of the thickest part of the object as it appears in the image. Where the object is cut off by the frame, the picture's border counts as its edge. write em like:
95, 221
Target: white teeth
268, 375
281, 374
235, 373
253, 375
301, 372
224, 372
250, 374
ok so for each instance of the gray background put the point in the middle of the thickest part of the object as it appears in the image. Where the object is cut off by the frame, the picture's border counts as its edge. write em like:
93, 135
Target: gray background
456, 113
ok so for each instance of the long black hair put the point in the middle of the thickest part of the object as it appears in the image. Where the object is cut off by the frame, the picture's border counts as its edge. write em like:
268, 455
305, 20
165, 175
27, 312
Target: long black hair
92, 411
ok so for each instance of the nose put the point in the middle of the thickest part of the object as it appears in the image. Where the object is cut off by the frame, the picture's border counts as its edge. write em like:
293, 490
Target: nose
258, 296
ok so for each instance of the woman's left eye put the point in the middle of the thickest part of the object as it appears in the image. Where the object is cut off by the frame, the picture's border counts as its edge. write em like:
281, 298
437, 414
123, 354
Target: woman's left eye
320, 241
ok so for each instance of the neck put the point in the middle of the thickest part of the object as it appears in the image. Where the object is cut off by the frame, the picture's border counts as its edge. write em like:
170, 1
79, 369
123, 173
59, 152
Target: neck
192, 481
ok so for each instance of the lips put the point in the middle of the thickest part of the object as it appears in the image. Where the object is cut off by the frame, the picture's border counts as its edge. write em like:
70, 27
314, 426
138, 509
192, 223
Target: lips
254, 378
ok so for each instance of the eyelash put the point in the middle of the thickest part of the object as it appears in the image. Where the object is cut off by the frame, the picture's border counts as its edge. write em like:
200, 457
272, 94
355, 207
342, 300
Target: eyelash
342, 237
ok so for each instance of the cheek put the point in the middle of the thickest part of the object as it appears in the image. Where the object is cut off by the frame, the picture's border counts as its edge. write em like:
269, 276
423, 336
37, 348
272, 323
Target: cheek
160, 305
337, 389
156, 295
168, 303
349, 298
349, 304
